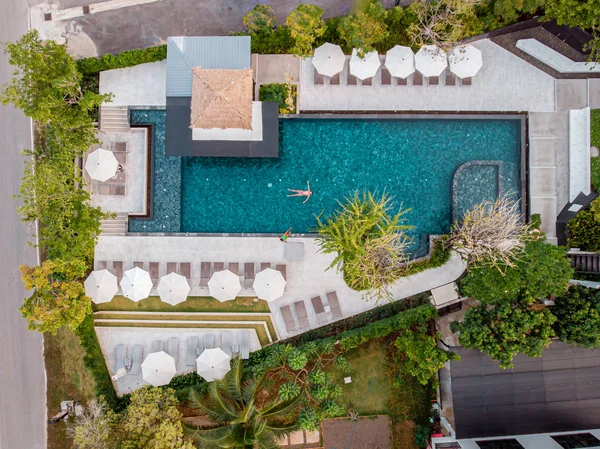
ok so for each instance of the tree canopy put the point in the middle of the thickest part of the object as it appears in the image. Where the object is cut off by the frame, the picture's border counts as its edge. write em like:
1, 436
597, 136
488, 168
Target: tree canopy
365, 27
577, 314
260, 19
306, 25
96, 428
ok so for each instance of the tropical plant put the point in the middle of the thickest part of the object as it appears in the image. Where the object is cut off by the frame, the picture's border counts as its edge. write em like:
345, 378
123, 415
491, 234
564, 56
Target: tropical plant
260, 19
578, 317
504, 330
306, 25
365, 27
240, 420
369, 242
95, 428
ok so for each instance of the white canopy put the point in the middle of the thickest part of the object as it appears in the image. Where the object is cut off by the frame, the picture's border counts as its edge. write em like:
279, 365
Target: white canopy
224, 285
213, 364
329, 59
158, 368
431, 60
101, 165
465, 61
136, 284
400, 61
366, 67
101, 286
269, 284
173, 288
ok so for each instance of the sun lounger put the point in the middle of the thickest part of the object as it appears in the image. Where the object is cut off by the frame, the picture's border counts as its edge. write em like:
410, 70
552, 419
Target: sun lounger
190, 354
386, 78
200, 347
318, 79
401, 81
173, 348
171, 267
218, 266
450, 78
301, 314
288, 318
317, 304
157, 345
433, 81
120, 355
118, 270
118, 147
244, 345
367, 82
138, 265
226, 342
235, 349
136, 359
417, 79
335, 80
185, 269
282, 269
205, 273
209, 341
234, 267
101, 265
466, 81
264, 266
352, 80
121, 158
334, 305
154, 274
248, 274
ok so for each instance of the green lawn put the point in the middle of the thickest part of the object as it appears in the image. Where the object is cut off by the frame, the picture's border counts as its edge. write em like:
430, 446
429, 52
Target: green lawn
368, 393
192, 304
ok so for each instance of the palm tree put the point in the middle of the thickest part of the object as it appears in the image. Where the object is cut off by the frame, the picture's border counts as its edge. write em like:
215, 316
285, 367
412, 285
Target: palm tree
239, 423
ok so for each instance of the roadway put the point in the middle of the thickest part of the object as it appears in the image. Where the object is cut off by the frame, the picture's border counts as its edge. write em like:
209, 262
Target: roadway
22, 376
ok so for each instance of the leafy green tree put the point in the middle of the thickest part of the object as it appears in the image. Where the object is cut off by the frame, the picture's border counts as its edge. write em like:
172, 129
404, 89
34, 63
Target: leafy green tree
58, 297
306, 25
152, 421
365, 27
578, 317
96, 428
511, 10
260, 19
504, 330
239, 421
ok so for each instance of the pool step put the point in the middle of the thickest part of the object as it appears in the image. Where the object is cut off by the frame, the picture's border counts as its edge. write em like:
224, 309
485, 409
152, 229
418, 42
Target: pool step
114, 119
115, 226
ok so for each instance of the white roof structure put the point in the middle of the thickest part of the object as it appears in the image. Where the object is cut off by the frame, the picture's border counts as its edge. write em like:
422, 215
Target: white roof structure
136, 284
213, 364
366, 67
224, 285
465, 61
158, 368
101, 164
269, 284
173, 288
329, 59
431, 60
101, 286
400, 61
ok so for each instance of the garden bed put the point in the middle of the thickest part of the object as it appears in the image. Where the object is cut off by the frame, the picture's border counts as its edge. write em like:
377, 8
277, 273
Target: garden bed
367, 433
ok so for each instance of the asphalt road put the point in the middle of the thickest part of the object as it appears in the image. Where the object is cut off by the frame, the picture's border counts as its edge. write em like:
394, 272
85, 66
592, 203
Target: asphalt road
22, 377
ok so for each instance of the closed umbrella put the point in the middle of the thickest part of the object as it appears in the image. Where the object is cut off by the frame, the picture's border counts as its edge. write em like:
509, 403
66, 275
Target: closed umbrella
365, 67
101, 165
213, 364
269, 284
173, 288
431, 60
101, 286
329, 59
158, 368
465, 61
136, 284
400, 61
224, 285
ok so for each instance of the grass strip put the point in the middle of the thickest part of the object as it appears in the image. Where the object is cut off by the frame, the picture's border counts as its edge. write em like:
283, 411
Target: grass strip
192, 304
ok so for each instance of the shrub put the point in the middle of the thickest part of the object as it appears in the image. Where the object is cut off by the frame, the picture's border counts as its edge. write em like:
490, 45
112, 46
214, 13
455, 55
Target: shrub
129, 58
578, 317
284, 94
595, 167
184, 384
584, 232
260, 19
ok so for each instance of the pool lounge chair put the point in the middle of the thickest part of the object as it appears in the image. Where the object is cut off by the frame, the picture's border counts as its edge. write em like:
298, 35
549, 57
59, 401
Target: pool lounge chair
288, 318
185, 269
226, 342
450, 78
433, 81
138, 265
244, 345
173, 348
334, 305
118, 147
386, 78
205, 273
200, 347
466, 81
301, 314
264, 266
334, 80
318, 78
234, 267
190, 354
157, 346
235, 349
248, 274
120, 356
417, 79
153, 268
317, 304
101, 264
209, 341
218, 266
283, 270
118, 270
171, 267
136, 359
401, 81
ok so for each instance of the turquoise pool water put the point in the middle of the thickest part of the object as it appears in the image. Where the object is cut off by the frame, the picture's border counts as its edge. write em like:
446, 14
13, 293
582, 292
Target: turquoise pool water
413, 160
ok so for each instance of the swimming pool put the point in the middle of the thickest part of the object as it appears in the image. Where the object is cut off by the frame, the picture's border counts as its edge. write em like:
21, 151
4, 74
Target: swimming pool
412, 159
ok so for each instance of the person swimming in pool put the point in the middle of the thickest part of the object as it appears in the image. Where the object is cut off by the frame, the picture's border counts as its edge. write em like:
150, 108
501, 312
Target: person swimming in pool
307, 193
285, 235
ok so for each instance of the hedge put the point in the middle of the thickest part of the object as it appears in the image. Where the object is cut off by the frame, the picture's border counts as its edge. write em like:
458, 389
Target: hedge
93, 66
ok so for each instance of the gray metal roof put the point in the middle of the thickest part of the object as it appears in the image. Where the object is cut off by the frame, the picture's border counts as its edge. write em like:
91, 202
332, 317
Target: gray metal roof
208, 52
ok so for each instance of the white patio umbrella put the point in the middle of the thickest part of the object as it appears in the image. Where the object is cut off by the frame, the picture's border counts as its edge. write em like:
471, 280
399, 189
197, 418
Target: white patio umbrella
158, 368
269, 284
431, 60
465, 61
365, 67
173, 288
213, 364
400, 61
136, 284
329, 59
101, 164
101, 286
224, 285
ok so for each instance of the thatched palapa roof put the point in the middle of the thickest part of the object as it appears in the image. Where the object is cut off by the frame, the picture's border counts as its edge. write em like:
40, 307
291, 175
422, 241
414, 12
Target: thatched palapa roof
221, 98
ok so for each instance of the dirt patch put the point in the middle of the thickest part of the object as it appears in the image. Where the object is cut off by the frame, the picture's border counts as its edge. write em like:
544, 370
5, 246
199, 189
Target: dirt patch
404, 435
366, 433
